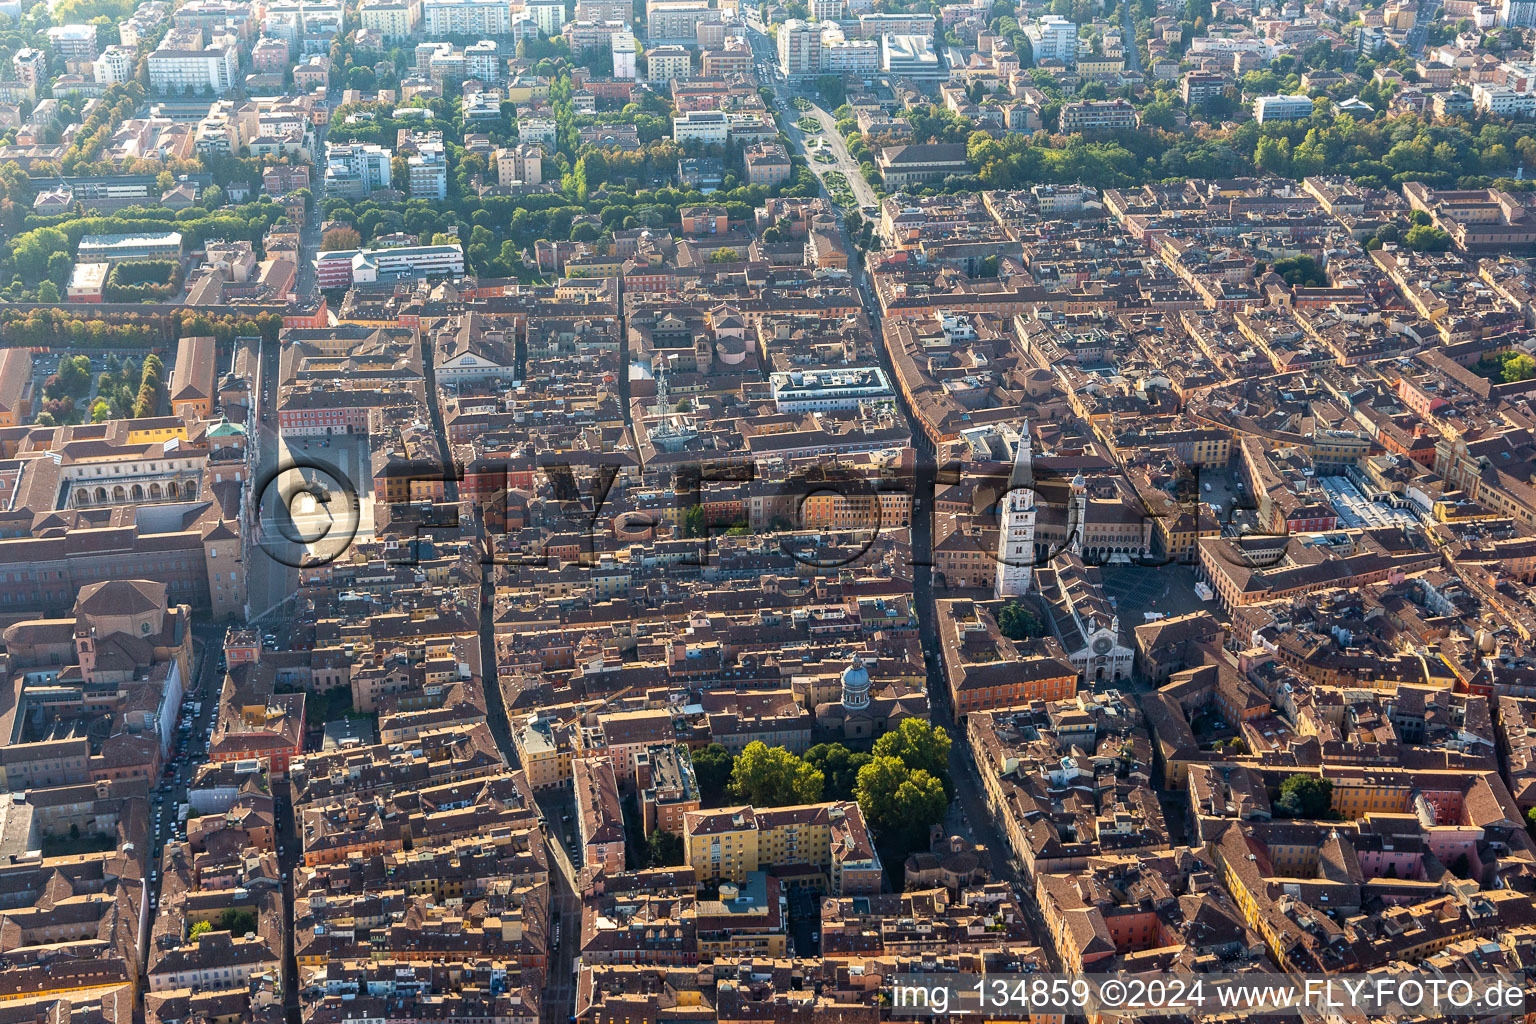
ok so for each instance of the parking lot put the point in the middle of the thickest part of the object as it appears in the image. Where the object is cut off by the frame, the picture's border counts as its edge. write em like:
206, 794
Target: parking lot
804, 923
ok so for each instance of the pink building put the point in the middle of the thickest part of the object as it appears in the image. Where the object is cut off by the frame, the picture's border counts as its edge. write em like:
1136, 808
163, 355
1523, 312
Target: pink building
270, 56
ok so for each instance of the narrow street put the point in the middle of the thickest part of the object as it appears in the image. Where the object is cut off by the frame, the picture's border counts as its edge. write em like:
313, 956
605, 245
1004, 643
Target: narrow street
968, 790
190, 750
288, 862
268, 581
1428, 11
1128, 37
559, 991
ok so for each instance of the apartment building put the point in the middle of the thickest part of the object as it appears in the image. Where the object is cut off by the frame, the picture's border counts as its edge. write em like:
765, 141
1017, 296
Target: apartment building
731, 842
428, 172
393, 19
1053, 38
73, 42
709, 127
1090, 116
520, 164
466, 17
183, 63
1281, 108
599, 815
663, 64
799, 49
678, 21
354, 170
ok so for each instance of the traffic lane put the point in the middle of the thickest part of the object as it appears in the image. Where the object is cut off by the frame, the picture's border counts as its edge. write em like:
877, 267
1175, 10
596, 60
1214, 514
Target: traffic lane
969, 792
170, 791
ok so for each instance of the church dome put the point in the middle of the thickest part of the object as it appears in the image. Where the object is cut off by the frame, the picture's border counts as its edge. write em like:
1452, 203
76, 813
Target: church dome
856, 684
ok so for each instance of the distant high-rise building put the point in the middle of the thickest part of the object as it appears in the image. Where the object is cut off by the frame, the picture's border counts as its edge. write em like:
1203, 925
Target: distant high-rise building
665, 63
482, 61
1518, 13
624, 50
677, 21
799, 48
466, 17
429, 172
73, 42
114, 65
1053, 38
549, 15
394, 19
31, 67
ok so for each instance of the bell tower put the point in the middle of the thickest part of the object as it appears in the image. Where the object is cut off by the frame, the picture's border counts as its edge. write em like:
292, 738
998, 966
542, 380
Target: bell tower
1016, 533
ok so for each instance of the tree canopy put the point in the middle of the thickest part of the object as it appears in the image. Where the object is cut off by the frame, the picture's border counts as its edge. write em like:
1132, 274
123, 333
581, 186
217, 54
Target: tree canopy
712, 768
1306, 796
765, 776
840, 767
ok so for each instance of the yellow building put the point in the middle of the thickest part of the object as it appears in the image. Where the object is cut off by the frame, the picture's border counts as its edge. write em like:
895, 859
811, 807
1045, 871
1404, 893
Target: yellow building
730, 842
1356, 797
158, 428
394, 19
1099, 65
544, 745
521, 90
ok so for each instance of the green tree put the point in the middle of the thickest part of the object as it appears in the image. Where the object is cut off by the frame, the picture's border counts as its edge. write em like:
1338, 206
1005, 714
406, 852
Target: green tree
1018, 621
898, 801
1306, 796
765, 776
665, 848
101, 411
1301, 270
840, 766
200, 928
918, 745
48, 292
1519, 367
712, 768
693, 522
1273, 155
237, 921
73, 377
724, 256
1424, 238
59, 268
340, 238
